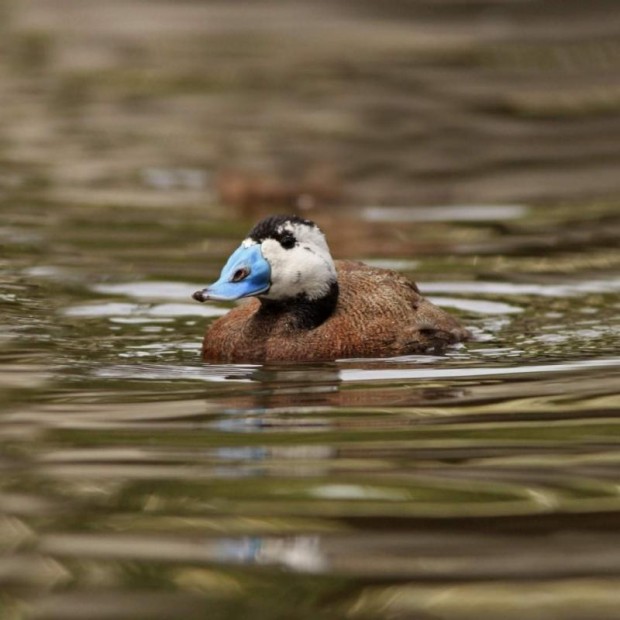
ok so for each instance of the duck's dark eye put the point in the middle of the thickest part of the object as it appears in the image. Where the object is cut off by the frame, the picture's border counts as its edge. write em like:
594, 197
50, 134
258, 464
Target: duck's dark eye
241, 273
287, 242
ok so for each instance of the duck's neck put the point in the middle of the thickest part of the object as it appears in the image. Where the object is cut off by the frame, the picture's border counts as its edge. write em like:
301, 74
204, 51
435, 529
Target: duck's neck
305, 313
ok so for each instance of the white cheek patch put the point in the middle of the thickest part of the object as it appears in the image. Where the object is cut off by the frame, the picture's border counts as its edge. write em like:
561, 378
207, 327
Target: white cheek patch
306, 269
309, 235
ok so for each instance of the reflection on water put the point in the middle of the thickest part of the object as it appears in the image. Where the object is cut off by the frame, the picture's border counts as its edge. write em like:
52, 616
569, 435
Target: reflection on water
138, 482
456, 213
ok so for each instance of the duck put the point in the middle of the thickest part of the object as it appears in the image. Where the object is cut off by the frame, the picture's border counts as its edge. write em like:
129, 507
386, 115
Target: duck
304, 306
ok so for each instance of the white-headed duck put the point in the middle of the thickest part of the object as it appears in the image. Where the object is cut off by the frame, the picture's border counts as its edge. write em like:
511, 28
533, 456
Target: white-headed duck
307, 307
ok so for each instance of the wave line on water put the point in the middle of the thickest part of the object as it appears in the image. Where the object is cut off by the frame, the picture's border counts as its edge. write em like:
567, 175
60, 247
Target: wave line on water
351, 375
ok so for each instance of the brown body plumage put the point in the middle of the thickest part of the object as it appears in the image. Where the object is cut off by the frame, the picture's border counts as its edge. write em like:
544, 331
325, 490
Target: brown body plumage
379, 313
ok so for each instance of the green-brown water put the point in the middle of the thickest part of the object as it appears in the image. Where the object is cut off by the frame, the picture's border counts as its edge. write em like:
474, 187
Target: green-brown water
138, 482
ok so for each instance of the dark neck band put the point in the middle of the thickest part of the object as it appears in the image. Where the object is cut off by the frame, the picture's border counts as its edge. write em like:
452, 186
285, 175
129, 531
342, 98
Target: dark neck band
306, 313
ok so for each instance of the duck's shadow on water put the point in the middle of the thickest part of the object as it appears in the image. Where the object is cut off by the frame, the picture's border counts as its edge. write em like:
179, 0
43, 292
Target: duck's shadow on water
296, 387
300, 387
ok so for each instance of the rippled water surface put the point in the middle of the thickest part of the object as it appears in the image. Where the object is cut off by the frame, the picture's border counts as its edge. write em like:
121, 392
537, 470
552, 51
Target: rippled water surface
138, 482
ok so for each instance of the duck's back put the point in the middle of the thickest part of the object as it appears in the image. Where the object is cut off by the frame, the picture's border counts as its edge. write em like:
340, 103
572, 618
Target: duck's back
379, 313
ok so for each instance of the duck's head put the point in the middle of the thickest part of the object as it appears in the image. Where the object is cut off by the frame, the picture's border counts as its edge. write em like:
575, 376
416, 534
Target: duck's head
284, 257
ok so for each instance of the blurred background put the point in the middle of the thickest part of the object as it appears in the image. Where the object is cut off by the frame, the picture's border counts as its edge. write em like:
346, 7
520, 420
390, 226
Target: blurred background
473, 145
305, 105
